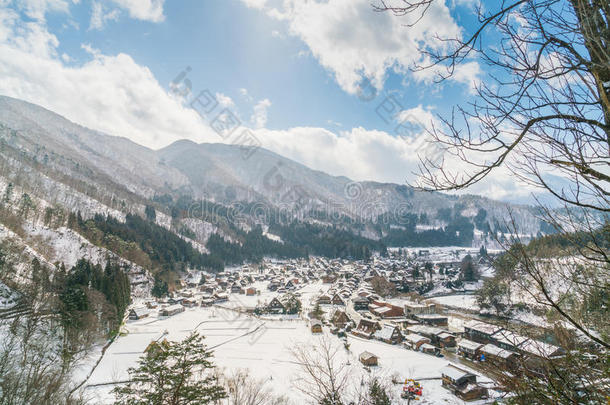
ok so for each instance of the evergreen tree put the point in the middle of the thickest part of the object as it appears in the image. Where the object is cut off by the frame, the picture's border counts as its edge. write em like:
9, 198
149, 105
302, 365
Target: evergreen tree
160, 288
378, 395
468, 269
172, 373
150, 213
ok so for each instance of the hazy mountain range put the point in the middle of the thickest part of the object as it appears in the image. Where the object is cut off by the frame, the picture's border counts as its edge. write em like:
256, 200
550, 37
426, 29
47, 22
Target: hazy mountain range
60, 164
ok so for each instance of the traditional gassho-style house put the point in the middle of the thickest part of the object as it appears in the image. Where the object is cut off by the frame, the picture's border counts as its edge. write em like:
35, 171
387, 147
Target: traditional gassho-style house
316, 326
155, 346
171, 310
360, 304
469, 349
339, 318
366, 328
276, 306
388, 334
337, 300
139, 313
414, 341
324, 299
368, 359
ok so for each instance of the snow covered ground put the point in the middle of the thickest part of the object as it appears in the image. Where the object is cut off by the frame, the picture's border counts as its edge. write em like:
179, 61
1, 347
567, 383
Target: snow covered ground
263, 346
458, 301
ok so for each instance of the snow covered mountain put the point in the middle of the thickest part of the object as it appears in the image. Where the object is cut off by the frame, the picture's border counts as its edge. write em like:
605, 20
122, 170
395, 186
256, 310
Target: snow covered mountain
60, 164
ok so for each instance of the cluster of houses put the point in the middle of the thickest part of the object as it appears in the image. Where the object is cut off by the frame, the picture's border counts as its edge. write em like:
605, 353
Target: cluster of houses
493, 344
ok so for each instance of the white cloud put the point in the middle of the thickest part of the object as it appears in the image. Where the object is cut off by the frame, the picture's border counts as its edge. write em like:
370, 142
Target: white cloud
224, 100
245, 95
351, 40
112, 93
259, 116
37, 9
147, 10
258, 4
99, 17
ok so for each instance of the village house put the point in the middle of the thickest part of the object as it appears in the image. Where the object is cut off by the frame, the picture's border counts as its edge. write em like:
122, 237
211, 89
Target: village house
386, 310
462, 383
366, 328
432, 319
171, 310
250, 291
138, 313
360, 304
480, 331
316, 326
368, 359
388, 334
417, 308
339, 318
275, 306
414, 341
497, 356
324, 299
220, 298
188, 303
337, 300
469, 349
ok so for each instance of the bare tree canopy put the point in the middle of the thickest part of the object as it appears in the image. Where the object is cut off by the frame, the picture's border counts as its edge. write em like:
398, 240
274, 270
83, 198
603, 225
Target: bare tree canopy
543, 107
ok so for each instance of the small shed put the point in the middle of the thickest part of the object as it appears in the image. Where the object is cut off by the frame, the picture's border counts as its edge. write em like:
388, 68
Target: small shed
316, 326
369, 359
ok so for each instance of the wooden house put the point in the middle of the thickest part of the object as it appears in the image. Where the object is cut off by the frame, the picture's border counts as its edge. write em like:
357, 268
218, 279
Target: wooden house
276, 306
368, 359
497, 356
414, 341
316, 326
138, 313
388, 334
339, 318
454, 377
469, 349
171, 310
366, 328
337, 300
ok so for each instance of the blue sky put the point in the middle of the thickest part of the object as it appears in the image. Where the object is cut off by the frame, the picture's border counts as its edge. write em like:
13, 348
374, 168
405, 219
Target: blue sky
229, 47
290, 70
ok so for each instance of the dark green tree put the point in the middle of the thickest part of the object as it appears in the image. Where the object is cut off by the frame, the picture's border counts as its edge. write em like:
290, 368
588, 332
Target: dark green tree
378, 395
172, 373
150, 212
469, 271
160, 288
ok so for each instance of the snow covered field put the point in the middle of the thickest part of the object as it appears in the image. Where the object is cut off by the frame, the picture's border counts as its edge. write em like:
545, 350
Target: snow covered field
263, 346
458, 301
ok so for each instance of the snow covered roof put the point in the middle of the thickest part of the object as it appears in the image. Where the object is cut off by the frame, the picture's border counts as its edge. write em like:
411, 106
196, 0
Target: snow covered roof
496, 351
469, 344
415, 338
454, 373
483, 327
385, 332
540, 349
